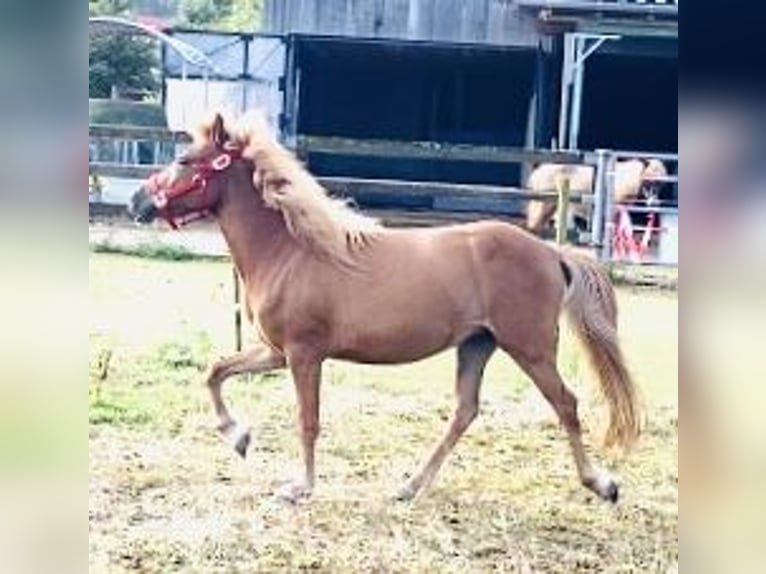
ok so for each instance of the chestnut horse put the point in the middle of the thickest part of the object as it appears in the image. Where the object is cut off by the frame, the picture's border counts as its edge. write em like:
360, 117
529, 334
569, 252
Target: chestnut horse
634, 179
323, 281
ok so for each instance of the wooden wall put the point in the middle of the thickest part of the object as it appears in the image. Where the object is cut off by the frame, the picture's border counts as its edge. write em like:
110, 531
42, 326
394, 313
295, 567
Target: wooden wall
498, 22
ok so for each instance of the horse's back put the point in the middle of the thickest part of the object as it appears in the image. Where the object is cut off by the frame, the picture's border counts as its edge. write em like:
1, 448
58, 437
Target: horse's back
499, 257
543, 177
466, 244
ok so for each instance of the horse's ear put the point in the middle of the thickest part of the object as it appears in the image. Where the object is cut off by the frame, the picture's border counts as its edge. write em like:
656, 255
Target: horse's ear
218, 133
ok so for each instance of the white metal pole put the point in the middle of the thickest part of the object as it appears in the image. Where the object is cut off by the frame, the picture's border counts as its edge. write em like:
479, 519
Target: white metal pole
599, 198
566, 81
577, 82
606, 245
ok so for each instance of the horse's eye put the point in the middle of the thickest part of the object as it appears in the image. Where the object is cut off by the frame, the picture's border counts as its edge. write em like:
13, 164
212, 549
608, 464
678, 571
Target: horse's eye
183, 161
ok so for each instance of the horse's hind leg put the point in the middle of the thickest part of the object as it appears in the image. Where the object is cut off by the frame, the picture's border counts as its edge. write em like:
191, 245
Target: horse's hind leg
546, 376
257, 360
472, 356
539, 213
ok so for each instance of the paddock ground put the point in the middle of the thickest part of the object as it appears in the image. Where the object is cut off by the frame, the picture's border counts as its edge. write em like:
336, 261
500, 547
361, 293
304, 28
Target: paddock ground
167, 495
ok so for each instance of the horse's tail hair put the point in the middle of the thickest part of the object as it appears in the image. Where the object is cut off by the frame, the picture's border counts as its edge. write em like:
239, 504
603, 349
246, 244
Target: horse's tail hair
591, 307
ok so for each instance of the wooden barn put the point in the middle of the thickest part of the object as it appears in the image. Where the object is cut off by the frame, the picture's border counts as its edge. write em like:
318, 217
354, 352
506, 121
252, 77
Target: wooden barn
574, 74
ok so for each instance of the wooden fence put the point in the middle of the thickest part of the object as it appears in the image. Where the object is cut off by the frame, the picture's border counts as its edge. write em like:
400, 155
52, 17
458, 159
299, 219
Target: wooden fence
396, 201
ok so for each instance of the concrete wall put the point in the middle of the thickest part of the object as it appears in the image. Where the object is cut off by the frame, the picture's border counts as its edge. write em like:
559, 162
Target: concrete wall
498, 22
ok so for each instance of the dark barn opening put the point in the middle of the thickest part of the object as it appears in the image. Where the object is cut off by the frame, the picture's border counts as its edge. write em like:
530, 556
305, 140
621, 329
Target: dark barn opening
630, 100
415, 91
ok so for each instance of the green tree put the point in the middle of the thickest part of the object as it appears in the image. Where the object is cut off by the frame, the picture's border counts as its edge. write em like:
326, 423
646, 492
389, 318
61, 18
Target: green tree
108, 7
119, 60
124, 62
224, 15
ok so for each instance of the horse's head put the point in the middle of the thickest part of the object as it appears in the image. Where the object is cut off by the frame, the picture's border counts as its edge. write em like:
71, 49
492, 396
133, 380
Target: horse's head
652, 182
191, 186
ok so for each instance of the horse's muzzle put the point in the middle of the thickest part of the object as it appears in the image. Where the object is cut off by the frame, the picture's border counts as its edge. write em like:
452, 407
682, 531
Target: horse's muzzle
142, 207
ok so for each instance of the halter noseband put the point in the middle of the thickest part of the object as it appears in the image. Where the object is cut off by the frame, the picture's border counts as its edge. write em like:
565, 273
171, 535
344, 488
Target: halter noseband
203, 173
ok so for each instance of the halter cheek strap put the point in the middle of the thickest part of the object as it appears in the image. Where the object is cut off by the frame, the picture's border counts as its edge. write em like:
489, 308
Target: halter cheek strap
204, 172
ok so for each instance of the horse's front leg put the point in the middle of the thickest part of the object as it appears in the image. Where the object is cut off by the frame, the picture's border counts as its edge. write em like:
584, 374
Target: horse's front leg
257, 360
307, 372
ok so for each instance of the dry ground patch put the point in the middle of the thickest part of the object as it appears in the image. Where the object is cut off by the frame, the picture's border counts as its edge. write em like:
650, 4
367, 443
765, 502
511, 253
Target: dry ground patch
167, 495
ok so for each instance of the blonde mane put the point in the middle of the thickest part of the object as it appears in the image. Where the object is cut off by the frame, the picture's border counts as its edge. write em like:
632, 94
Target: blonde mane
328, 226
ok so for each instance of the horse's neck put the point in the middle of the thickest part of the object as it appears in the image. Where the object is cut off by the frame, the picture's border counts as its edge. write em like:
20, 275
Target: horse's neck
256, 234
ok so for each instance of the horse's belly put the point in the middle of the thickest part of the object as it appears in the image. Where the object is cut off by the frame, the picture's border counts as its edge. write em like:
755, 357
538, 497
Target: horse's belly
401, 333
390, 349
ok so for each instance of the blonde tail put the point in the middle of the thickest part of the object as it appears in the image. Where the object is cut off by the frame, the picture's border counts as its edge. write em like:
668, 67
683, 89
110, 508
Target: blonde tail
592, 310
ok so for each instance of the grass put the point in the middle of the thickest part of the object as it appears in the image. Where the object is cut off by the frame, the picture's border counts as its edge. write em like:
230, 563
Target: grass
166, 495
654, 276
149, 250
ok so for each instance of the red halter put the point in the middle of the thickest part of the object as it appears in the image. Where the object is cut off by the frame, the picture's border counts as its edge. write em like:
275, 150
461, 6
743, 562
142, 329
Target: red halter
204, 171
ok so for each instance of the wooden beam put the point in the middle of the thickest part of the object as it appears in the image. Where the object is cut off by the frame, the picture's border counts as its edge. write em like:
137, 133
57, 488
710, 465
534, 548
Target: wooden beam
101, 210
137, 134
390, 217
433, 151
124, 171
411, 218
396, 194
355, 187
424, 150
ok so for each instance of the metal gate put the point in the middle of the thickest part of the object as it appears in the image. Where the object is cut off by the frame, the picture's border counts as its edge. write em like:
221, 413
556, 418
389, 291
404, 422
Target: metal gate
248, 72
615, 235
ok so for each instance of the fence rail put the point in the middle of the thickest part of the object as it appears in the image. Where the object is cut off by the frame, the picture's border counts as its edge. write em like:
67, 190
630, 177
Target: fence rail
122, 170
614, 235
427, 150
136, 133
357, 187
623, 154
437, 196
443, 197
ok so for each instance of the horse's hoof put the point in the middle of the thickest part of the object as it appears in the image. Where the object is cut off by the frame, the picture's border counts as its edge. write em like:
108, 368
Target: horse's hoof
612, 493
607, 489
241, 444
605, 486
405, 494
293, 492
237, 436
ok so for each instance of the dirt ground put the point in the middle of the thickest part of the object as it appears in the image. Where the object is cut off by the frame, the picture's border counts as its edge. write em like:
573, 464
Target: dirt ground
167, 495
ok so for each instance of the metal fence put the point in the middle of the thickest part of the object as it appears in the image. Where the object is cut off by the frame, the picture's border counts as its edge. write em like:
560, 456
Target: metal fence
247, 72
614, 234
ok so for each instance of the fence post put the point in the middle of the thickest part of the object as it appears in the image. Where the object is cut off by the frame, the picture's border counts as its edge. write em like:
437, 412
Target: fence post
605, 250
599, 199
237, 311
562, 187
